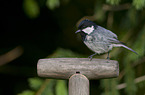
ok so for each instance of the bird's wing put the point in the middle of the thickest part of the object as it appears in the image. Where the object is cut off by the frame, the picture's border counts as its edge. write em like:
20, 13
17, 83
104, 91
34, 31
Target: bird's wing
107, 35
105, 32
114, 41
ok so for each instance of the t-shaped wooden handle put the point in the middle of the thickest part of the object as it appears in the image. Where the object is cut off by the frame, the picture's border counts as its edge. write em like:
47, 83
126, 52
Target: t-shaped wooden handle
64, 68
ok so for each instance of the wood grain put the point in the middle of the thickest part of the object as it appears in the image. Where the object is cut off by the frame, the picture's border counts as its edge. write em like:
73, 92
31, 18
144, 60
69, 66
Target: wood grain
63, 68
78, 85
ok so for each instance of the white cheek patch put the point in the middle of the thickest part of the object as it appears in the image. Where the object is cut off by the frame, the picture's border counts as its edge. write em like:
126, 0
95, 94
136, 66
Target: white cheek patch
88, 30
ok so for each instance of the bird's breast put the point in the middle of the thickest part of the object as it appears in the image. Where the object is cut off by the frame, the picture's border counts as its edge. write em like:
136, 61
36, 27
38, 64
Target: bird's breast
96, 44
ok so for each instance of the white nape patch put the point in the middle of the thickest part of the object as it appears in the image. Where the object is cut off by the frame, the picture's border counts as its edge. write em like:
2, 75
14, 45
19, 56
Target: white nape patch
88, 30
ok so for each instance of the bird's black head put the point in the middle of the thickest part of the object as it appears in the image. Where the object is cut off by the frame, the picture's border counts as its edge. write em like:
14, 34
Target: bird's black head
86, 23
86, 26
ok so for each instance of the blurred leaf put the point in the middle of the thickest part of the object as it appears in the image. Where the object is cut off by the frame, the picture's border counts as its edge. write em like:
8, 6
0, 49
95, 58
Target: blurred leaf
108, 86
141, 84
129, 79
114, 83
52, 4
129, 76
31, 8
49, 88
139, 4
99, 13
113, 2
138, 46
61, 88
27, 92
132, 15
35, 83
59, 53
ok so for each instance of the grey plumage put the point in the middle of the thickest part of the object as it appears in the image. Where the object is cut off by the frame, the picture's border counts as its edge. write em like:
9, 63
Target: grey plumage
99, 39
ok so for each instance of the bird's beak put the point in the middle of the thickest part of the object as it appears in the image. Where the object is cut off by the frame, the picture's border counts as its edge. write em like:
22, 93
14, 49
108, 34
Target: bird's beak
78, 31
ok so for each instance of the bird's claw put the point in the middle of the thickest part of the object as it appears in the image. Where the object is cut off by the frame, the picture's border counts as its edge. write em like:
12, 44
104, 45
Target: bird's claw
90, 57
108, 58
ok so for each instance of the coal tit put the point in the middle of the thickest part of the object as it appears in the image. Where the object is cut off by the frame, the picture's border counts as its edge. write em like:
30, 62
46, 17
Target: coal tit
98, 39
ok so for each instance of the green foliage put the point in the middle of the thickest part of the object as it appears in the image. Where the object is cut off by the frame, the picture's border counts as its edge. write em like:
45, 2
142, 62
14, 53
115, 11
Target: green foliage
109, 86
98, 12
139, 4
31, 8
39, 87
52, 4
61, 88
139, 44
105, 84
62, 53
114, 83
139, 47
141, 84
129, 79
35, 83
113, 2
132, 16
48, 87
27, 92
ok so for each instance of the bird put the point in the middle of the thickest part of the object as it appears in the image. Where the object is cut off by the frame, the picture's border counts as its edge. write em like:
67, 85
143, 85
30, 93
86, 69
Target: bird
99, 39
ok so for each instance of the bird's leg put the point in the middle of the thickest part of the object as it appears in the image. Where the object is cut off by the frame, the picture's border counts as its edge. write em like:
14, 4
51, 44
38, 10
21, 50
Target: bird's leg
91, 56
108, 56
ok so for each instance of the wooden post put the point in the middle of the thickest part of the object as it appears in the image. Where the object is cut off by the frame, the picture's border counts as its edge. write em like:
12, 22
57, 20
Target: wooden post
78, 85
78, 70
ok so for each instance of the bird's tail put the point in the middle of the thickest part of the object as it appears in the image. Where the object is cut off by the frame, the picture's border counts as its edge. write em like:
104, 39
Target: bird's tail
129, 49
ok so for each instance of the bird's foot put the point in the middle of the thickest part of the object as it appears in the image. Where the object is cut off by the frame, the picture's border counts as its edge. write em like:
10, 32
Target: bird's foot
91, 56
108, 58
